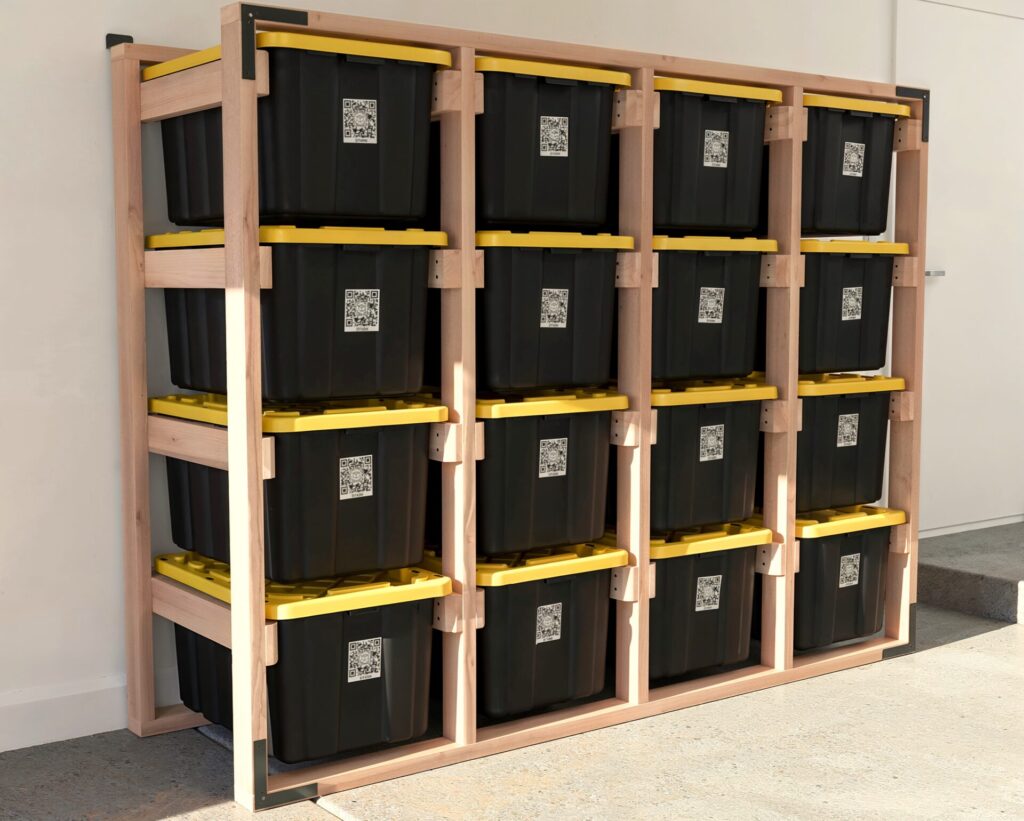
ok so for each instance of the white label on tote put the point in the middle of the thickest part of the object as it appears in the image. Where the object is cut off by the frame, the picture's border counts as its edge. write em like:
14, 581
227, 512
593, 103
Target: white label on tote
355, 477
358, 121
853, 302
716, 149
709, 592
554, 307
554, 458
853, 159
364, 659
849, 570
712, 442
549, 622
711, 306
846, 433
362, 310
554, 136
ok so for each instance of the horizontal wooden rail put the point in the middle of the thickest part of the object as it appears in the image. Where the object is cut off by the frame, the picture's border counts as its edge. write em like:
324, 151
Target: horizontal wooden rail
194, 89
201, 614
199, 443
196, 268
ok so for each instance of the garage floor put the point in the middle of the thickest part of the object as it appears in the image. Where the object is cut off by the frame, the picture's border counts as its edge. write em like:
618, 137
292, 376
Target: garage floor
939, 733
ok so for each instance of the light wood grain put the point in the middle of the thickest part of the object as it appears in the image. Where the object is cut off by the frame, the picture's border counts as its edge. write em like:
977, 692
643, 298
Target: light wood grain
197, 268
172, 718
147, 54
199, 443
194, 89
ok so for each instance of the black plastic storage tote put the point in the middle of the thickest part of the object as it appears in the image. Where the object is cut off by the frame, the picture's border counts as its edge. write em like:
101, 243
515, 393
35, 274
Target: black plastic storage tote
705, 319
546, 313
345, 316
353, 667
543, 143
840, 454
344, 134
348, 493
708, 153
840, 589
847, 165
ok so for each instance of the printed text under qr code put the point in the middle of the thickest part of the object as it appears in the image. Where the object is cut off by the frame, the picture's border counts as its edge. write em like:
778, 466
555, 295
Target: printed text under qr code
362, 310
554, 136
355, 477
364, 659
846, 434
554, 307
711, 306
709, 592
849, 570
549, 622
716, 149
359, 121
712, 442
853, 159
853, 302
554, 458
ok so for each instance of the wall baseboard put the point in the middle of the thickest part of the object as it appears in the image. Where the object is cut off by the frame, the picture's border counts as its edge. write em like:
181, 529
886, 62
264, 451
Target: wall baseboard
966, 526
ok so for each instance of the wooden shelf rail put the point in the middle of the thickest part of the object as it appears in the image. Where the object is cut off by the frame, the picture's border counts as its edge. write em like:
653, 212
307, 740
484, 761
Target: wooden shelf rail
242, 268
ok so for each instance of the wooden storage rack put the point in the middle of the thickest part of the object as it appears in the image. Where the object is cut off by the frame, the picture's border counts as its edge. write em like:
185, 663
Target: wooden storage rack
242, 268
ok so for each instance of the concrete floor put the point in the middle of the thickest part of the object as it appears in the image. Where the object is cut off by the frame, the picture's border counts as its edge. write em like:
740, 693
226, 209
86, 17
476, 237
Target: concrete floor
936, 734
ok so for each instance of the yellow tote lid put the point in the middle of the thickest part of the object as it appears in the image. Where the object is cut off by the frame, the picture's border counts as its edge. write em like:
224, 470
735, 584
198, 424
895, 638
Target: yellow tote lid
851, 246
837, 384
712, 392
540, 563
663, 243
550, 239
270, 234
307, 42
561, 71
856, 104
302, 418
706, 539
312, 598
834, 522
771, 95
551, 403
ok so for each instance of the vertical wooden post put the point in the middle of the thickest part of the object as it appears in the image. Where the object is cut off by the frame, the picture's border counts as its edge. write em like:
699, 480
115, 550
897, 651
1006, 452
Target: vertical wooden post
245, 407
907, 361
633, 510
131, 326
782, 362
458, 392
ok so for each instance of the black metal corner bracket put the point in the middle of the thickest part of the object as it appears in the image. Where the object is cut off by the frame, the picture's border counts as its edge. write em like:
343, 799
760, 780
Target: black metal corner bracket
265, 800
117, 39
250, 14
910, 647
924, 95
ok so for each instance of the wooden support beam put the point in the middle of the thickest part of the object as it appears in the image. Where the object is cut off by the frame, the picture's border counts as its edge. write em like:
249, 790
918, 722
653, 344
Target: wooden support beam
782, 271
194, 89
447, 97
785, 122
203, 615
448, 613
197, 268
147, 54
199, 443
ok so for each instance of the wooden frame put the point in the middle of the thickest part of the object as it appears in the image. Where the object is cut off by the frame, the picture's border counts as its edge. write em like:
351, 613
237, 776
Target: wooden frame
242, 269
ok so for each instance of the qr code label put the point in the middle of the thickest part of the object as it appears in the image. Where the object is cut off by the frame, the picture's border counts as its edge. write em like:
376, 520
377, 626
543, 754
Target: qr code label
554, 457
359, 121
853, 159
362, 310
709, 592
355, 477
712, 442
846, 435
853, 302
364, 659
549, 622
849, 570
554, 307
554, 136
711, 306
716, 149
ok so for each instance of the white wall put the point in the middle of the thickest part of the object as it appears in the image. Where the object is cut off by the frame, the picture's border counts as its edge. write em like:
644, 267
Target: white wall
61, 673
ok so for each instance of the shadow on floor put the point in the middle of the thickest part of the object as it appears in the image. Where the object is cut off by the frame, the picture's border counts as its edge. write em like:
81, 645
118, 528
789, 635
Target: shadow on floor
937, 627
